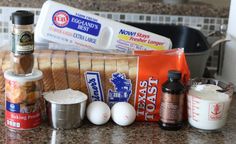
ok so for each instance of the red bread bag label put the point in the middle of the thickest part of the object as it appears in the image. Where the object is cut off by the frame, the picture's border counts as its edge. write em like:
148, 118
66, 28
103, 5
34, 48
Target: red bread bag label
152, 73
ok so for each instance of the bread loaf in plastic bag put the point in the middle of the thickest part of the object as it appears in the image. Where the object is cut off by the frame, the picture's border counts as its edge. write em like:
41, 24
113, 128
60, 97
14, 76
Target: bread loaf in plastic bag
111, 78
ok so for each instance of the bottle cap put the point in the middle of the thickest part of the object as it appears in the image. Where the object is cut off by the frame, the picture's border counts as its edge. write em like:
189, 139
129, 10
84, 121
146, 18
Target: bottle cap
22, 17
34, 76
174, 74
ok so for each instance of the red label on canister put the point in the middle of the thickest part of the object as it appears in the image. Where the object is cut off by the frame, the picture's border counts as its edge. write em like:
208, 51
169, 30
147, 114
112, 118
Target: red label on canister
23, 95
21, 120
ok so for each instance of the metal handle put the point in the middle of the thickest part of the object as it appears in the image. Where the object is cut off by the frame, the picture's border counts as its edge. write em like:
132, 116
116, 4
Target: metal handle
221, 32
222, 40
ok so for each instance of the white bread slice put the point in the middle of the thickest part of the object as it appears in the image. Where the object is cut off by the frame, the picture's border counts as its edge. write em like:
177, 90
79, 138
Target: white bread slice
2, 103
7, 61
110, 68
85, 65
133, 74
2, 84
98, 65
2, 54
6, 64
2, 79
73, 70
44, 63
123, 65
59, 70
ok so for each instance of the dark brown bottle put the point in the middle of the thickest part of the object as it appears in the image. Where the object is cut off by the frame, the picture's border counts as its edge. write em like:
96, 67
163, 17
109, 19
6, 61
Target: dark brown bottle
172, 102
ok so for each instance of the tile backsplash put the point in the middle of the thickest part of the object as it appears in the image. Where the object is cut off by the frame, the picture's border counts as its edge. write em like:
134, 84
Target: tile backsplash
205, 24
210, 8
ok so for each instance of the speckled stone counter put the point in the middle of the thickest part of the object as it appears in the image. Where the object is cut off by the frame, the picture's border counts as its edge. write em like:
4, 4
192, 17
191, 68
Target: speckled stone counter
142, 6
139, 132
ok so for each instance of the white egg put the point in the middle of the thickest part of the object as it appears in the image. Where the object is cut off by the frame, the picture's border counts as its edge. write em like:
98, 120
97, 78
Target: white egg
98, 112
123, 113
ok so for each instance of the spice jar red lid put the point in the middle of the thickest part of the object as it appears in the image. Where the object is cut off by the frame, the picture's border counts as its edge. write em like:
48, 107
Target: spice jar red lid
22, 17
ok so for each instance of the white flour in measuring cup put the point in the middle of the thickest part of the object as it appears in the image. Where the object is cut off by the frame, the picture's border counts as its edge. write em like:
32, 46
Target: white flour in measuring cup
67, 96
207, 107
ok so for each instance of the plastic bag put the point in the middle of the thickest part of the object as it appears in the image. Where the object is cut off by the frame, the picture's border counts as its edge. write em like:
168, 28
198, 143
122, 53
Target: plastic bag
111, 78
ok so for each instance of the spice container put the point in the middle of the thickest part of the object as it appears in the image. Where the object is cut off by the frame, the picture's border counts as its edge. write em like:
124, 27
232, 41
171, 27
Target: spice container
208, 103
172, 102
24, 103
22, 42
23, 64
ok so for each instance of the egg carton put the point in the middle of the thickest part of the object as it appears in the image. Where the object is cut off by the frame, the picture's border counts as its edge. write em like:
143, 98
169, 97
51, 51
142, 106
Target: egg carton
202, 23
205, 24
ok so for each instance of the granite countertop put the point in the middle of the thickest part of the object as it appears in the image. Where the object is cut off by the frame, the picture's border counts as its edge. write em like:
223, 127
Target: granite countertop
132, 6
139, 132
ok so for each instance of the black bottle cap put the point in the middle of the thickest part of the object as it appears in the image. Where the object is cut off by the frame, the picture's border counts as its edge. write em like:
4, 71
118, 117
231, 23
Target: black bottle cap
22, 17
174, 74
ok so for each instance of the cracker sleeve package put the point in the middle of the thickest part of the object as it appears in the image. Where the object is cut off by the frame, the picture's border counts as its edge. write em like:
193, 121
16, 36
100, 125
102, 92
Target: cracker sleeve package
111, 78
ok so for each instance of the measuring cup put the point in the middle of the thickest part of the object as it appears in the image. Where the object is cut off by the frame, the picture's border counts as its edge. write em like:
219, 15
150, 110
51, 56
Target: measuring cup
208, 110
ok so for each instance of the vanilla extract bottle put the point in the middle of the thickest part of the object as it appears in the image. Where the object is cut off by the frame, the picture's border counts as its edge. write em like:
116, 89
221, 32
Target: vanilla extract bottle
172, 102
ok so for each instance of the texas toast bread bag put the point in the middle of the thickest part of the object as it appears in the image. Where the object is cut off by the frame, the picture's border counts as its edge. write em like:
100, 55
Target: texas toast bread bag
111, 78
152, 73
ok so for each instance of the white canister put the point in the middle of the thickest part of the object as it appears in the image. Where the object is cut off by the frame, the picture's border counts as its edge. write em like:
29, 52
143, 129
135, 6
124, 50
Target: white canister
208, 104
23, 98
